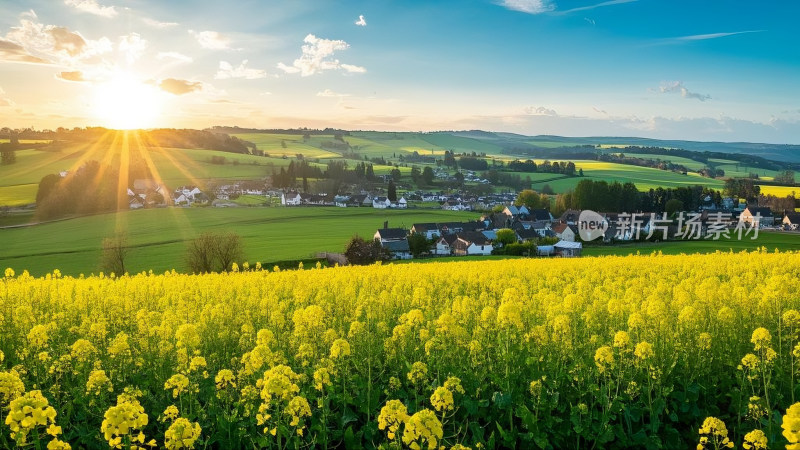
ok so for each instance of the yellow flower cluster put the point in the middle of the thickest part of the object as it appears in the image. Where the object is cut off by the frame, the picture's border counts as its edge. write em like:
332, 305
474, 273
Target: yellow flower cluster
423, 429
28, 412
644, 351
170, 414
11, 387
278, 382
714, 434
442, 399
297, 409
791, 427
98, 383
124, 422
179, 384
418, 373
755, 440
182, 434
340, 348
225, 378
604, 359
392, 415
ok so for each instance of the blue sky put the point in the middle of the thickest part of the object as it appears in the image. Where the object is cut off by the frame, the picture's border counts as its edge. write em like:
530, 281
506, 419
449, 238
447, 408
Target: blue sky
710, 70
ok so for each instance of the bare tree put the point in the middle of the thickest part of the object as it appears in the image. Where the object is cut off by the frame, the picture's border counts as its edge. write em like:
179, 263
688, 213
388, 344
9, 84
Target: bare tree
228, 250
212, 252
115, 250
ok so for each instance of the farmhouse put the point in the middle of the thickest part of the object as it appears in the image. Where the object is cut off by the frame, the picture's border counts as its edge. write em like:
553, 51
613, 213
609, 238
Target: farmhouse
444, 245
399, 249
429, 230
762, 216
570, 217
387, 234
291, 199
529, 234
791, 221
471, 243
381, 202
565, 232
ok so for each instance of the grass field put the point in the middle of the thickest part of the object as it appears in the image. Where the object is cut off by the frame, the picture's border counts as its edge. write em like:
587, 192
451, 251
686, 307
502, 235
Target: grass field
644, 177
175, 167
770, 239
158, 236
686, 162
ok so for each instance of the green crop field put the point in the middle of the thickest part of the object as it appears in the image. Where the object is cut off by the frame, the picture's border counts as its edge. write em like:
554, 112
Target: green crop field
644, 177
159, 236
784, 241
686, 162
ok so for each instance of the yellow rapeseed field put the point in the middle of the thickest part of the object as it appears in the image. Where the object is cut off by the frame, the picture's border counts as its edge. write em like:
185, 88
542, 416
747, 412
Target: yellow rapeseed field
653, 351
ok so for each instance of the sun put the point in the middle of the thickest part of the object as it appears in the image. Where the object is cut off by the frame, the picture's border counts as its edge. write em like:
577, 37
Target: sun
125, 103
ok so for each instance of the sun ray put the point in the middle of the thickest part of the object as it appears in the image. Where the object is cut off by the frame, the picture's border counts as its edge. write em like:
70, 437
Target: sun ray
184, 224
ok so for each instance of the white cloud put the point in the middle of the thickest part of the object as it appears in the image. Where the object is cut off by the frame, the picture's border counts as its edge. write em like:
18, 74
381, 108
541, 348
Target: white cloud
529, 6
287, 69
318, 57
35, 42
132, 46
598, 5
540, 111
5, 101
75, 76
703, 37
353, 69
156, 24
178, 57
361, 22
678, 87
92, 7
330, 93
179, 87
212, 40
226, 71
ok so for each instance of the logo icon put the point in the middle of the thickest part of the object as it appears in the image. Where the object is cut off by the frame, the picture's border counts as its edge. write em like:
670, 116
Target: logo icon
591, 225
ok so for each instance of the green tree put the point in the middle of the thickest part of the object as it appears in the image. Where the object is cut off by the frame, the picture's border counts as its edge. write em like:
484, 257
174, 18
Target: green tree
46, 186
361, 252
673, 206
506, 236
8, 156
418, 244
529, 198
427, 175
391, 192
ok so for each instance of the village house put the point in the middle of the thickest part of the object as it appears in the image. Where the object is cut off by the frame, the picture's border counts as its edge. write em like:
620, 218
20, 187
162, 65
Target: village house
291, 198
149, 192
444, 245
429, 230
791, 221
565, 232
387, 234
570, 217
398, 249
471, 243
381, 202
762, 215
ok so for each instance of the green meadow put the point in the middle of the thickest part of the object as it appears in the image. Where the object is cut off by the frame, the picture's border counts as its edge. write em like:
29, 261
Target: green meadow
771, 240
158, 237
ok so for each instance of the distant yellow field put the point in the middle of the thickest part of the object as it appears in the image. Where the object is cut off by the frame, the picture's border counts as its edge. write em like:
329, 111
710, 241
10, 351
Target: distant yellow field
779, 191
